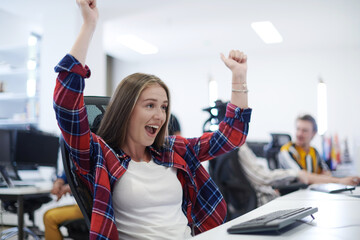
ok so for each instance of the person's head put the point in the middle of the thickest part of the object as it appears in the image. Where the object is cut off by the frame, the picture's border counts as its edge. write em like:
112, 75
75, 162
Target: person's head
138, 111
306, 129
174, 126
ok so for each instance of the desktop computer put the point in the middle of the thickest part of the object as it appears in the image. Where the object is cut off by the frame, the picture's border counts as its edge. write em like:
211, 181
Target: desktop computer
34, 149
26, 150
6, 155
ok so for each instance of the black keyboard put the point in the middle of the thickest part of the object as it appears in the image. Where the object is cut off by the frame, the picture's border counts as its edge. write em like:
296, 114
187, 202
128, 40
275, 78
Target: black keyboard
272, 221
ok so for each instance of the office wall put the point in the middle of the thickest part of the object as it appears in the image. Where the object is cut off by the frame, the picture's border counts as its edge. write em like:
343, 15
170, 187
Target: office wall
20, 30
58, 32
282, 85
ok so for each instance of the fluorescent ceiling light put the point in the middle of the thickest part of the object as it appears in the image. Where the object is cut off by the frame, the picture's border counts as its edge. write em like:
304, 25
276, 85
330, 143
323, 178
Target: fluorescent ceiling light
32, 40
137, 44
31, 87
31, 64
322, 107
267, 32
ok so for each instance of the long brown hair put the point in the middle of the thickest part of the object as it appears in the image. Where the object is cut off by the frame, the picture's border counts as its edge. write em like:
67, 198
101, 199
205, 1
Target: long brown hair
113, 127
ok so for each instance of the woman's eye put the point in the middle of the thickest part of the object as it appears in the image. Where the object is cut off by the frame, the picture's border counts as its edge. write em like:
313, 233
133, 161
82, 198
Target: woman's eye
150, 105
164, 108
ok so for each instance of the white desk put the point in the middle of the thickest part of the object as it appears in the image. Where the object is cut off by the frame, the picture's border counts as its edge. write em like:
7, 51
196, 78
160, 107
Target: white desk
18, 194
338, 217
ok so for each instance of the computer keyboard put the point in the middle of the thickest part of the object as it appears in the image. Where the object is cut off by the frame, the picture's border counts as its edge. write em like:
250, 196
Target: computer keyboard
272, 221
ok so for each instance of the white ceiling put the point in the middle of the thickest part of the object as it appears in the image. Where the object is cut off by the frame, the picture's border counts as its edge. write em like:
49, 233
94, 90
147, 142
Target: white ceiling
203, 27
183, 28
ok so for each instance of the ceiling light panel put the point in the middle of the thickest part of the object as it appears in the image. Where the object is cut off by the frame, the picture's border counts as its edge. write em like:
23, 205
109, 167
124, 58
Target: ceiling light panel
137, 44
267, 32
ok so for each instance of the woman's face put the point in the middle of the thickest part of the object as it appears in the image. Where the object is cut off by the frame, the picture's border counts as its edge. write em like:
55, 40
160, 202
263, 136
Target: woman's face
148, 116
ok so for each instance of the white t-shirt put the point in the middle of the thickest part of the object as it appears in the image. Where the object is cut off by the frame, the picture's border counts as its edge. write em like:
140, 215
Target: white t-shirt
147, 203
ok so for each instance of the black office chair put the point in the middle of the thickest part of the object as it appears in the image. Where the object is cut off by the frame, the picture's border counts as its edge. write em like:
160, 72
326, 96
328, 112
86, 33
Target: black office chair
214, 120
257, 148
95, 107
229, 176
76, 228
273, 148
79, 190
227, 172
272, 151
31, 204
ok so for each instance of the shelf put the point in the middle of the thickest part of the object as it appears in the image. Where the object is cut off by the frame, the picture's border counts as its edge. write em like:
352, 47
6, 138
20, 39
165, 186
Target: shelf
14, 56
17, 109
9, 71
13, 122
14, 96
13, 47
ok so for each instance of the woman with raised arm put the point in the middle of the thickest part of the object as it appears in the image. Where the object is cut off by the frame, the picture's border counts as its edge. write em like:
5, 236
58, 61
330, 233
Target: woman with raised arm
145, 184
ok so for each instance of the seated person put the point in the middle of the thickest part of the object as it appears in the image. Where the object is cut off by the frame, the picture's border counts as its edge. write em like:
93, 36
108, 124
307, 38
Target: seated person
54, 217
262, 178
300, 155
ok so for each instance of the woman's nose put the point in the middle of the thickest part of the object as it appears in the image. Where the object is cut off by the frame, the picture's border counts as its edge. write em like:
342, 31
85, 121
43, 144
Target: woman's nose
159, 113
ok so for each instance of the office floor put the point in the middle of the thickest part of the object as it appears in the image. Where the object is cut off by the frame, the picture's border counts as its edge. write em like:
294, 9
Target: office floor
36, 231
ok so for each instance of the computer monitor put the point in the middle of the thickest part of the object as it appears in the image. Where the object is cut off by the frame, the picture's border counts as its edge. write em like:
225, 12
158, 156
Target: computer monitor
34, 149
5, 146
6, 153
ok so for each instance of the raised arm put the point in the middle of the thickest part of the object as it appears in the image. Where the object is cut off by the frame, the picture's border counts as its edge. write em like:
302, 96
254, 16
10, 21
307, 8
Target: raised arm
90, 16
68, 94
237, 63
233, 129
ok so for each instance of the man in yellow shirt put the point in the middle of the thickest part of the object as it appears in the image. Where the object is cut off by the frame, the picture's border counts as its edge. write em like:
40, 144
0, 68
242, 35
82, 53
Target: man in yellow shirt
300, 155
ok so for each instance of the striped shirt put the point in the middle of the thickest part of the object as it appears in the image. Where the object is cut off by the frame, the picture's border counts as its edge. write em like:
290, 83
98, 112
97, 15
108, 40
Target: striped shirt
294, 157
100, 166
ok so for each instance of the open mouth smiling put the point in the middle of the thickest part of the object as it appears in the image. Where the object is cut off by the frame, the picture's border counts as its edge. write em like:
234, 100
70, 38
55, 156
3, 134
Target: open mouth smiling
151, 128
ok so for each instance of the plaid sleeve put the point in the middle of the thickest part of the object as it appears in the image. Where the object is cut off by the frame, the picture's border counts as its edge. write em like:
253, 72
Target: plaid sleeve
231, 134
70, 110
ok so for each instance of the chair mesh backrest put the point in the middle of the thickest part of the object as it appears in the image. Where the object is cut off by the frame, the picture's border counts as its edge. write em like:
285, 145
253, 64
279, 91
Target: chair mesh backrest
273, 148
280, 139
229, 176
95, 107
80, 192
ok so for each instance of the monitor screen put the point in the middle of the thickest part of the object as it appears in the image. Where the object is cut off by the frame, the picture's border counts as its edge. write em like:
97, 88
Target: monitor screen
6, 153
34, 149
5, 146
